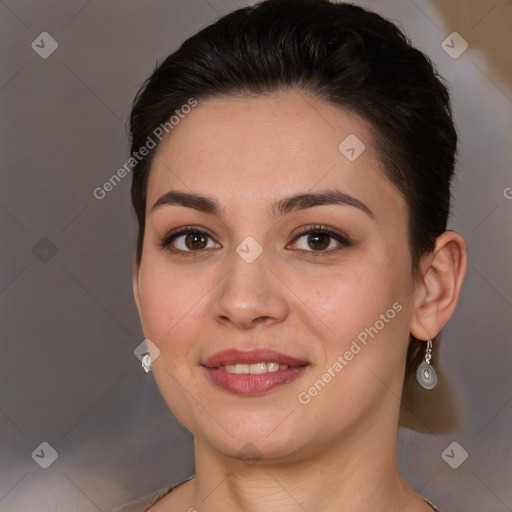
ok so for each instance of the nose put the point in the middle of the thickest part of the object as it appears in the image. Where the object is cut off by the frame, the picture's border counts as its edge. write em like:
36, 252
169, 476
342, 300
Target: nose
251, 294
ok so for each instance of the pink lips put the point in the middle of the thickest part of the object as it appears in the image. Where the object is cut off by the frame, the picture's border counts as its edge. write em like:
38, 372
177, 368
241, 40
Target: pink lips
252, 384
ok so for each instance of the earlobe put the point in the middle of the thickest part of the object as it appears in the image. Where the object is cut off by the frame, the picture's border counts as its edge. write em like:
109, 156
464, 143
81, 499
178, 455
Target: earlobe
439, 290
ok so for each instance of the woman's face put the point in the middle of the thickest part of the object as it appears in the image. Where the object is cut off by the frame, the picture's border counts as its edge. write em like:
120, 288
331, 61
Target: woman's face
245, 284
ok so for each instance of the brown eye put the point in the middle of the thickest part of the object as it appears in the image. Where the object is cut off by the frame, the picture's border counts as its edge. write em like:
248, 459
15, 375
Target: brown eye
187, 241
318, 241
321, 241
195, 241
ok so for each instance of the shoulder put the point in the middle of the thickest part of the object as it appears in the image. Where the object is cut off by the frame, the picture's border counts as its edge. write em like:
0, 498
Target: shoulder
142, 504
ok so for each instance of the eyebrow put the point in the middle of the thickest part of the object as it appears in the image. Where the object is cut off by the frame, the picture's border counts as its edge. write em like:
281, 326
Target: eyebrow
285, 205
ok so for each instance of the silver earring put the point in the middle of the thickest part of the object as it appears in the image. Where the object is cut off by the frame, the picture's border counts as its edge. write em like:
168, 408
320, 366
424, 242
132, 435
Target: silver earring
146, 363
425, 374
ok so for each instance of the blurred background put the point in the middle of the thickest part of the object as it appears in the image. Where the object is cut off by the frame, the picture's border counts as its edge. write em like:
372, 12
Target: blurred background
82, 427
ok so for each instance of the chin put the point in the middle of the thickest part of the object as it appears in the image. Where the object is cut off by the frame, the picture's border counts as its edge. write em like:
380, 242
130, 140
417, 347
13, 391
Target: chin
249, 448
243, 434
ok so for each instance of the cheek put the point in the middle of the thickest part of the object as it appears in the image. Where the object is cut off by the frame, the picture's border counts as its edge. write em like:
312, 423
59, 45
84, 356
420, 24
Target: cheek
353, 298
165, 301
168, 303
373, 320
361, 362
176, 307
366, 313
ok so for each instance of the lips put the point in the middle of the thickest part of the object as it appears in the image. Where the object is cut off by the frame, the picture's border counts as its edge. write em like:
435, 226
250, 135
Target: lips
252, 372
233, 356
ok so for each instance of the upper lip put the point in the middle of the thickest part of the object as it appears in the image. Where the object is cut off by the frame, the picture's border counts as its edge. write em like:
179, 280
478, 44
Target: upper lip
235, 356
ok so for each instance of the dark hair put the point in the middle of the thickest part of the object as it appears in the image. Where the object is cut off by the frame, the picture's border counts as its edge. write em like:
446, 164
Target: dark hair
340, 52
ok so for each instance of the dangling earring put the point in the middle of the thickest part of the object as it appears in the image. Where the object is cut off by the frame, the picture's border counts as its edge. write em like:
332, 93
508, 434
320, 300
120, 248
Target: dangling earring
425, 374
146, 363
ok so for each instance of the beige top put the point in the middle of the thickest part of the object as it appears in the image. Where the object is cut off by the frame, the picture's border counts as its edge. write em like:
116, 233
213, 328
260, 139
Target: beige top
143, 504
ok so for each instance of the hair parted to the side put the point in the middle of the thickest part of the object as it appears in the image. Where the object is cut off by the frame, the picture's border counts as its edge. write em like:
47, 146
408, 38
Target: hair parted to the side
341, 53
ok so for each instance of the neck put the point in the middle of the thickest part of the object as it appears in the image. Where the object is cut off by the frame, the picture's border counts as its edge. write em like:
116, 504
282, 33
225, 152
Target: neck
355, 472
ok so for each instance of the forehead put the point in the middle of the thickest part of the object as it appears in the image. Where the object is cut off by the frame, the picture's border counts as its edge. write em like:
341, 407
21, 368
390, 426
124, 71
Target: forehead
240, 147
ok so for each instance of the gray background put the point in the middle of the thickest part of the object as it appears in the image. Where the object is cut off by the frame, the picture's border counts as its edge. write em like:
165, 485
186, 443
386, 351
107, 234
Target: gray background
69, 324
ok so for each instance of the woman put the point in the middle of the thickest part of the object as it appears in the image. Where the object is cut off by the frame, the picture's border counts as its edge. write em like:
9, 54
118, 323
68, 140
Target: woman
292, 166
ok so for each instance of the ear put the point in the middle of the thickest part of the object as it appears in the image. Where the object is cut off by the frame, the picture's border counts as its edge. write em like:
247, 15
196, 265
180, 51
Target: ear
438, 292
135, 281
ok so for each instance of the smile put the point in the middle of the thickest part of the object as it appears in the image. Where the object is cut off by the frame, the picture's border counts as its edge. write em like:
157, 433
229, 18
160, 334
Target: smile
253, 372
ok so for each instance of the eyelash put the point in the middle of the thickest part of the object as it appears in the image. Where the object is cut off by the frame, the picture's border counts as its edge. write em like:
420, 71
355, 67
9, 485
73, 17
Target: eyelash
317, 229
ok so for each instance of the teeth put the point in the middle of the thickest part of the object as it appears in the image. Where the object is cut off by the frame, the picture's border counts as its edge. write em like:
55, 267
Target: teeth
255, 368
273, 367
258, 368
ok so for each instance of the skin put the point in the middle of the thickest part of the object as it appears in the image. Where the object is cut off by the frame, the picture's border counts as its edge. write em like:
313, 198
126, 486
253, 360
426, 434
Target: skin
338, 452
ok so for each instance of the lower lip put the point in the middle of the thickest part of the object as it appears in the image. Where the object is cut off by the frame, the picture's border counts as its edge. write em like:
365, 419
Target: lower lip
253, 384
